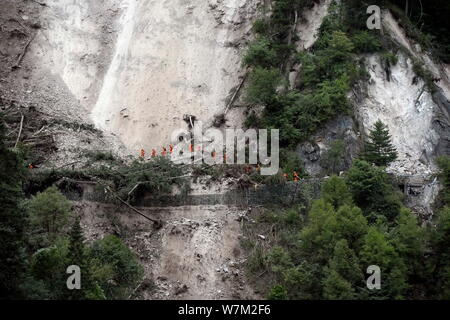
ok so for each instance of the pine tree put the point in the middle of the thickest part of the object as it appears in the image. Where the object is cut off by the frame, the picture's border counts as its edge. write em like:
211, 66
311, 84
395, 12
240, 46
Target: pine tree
76, 246
335, 287
442, 254
336, 192
377, 250
408, 239
346, 263
12, 221
77, 256
49, 210
379, 149
372, 191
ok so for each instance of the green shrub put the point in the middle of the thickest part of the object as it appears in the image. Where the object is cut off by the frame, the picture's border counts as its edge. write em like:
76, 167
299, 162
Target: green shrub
260, 53
47, 272
366, 42
390, 58
101, 156
114, 267
444, 175
49, 210
262, 86
373, 191
290, 162
261, 26
333, 158
278, 293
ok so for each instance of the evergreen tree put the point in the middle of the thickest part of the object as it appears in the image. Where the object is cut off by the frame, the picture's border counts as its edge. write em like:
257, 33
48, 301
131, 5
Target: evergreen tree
278, 293
76, 256
408, 240
379, 149
441, 241
12, 220
76, 245
336, 192
444, 177
346, 263
49, 210
318, 238
335, 287
373, 192
378, 251
351, 225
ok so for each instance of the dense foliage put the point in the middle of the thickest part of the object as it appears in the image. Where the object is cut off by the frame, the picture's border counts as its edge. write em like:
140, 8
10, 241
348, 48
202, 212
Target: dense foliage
12, 220
38, 244
328, 71
322, 252
128, 181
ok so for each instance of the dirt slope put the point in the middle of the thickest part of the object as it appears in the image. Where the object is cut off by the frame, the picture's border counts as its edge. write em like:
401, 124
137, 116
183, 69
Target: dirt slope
195, 255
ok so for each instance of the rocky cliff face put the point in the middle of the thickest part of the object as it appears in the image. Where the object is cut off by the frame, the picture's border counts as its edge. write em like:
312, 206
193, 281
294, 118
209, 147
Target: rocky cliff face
417, 118
135, 68
407, 106
132, 68
138, 66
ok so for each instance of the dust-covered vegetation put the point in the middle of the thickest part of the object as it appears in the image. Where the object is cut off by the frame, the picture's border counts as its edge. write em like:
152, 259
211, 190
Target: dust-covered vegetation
128, 181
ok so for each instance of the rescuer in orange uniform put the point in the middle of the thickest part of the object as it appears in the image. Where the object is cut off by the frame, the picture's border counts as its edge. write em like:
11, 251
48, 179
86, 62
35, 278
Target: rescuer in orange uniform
153, 153
142, 153
296, 177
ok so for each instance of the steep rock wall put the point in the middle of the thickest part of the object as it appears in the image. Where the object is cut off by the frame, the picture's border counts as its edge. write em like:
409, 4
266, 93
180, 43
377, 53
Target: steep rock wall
136, 67
172, 58
405, 104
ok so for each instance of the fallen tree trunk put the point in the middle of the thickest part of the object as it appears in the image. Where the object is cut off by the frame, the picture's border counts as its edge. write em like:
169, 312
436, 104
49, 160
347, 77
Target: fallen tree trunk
156, 223
22, 55
233, 98
20, 130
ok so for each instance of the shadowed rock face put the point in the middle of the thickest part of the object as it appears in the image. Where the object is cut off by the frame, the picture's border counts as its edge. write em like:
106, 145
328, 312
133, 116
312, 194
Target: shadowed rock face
312, 152
442, 123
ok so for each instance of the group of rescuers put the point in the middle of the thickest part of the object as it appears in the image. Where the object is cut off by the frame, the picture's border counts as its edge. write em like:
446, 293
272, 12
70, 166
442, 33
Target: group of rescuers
164, 152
